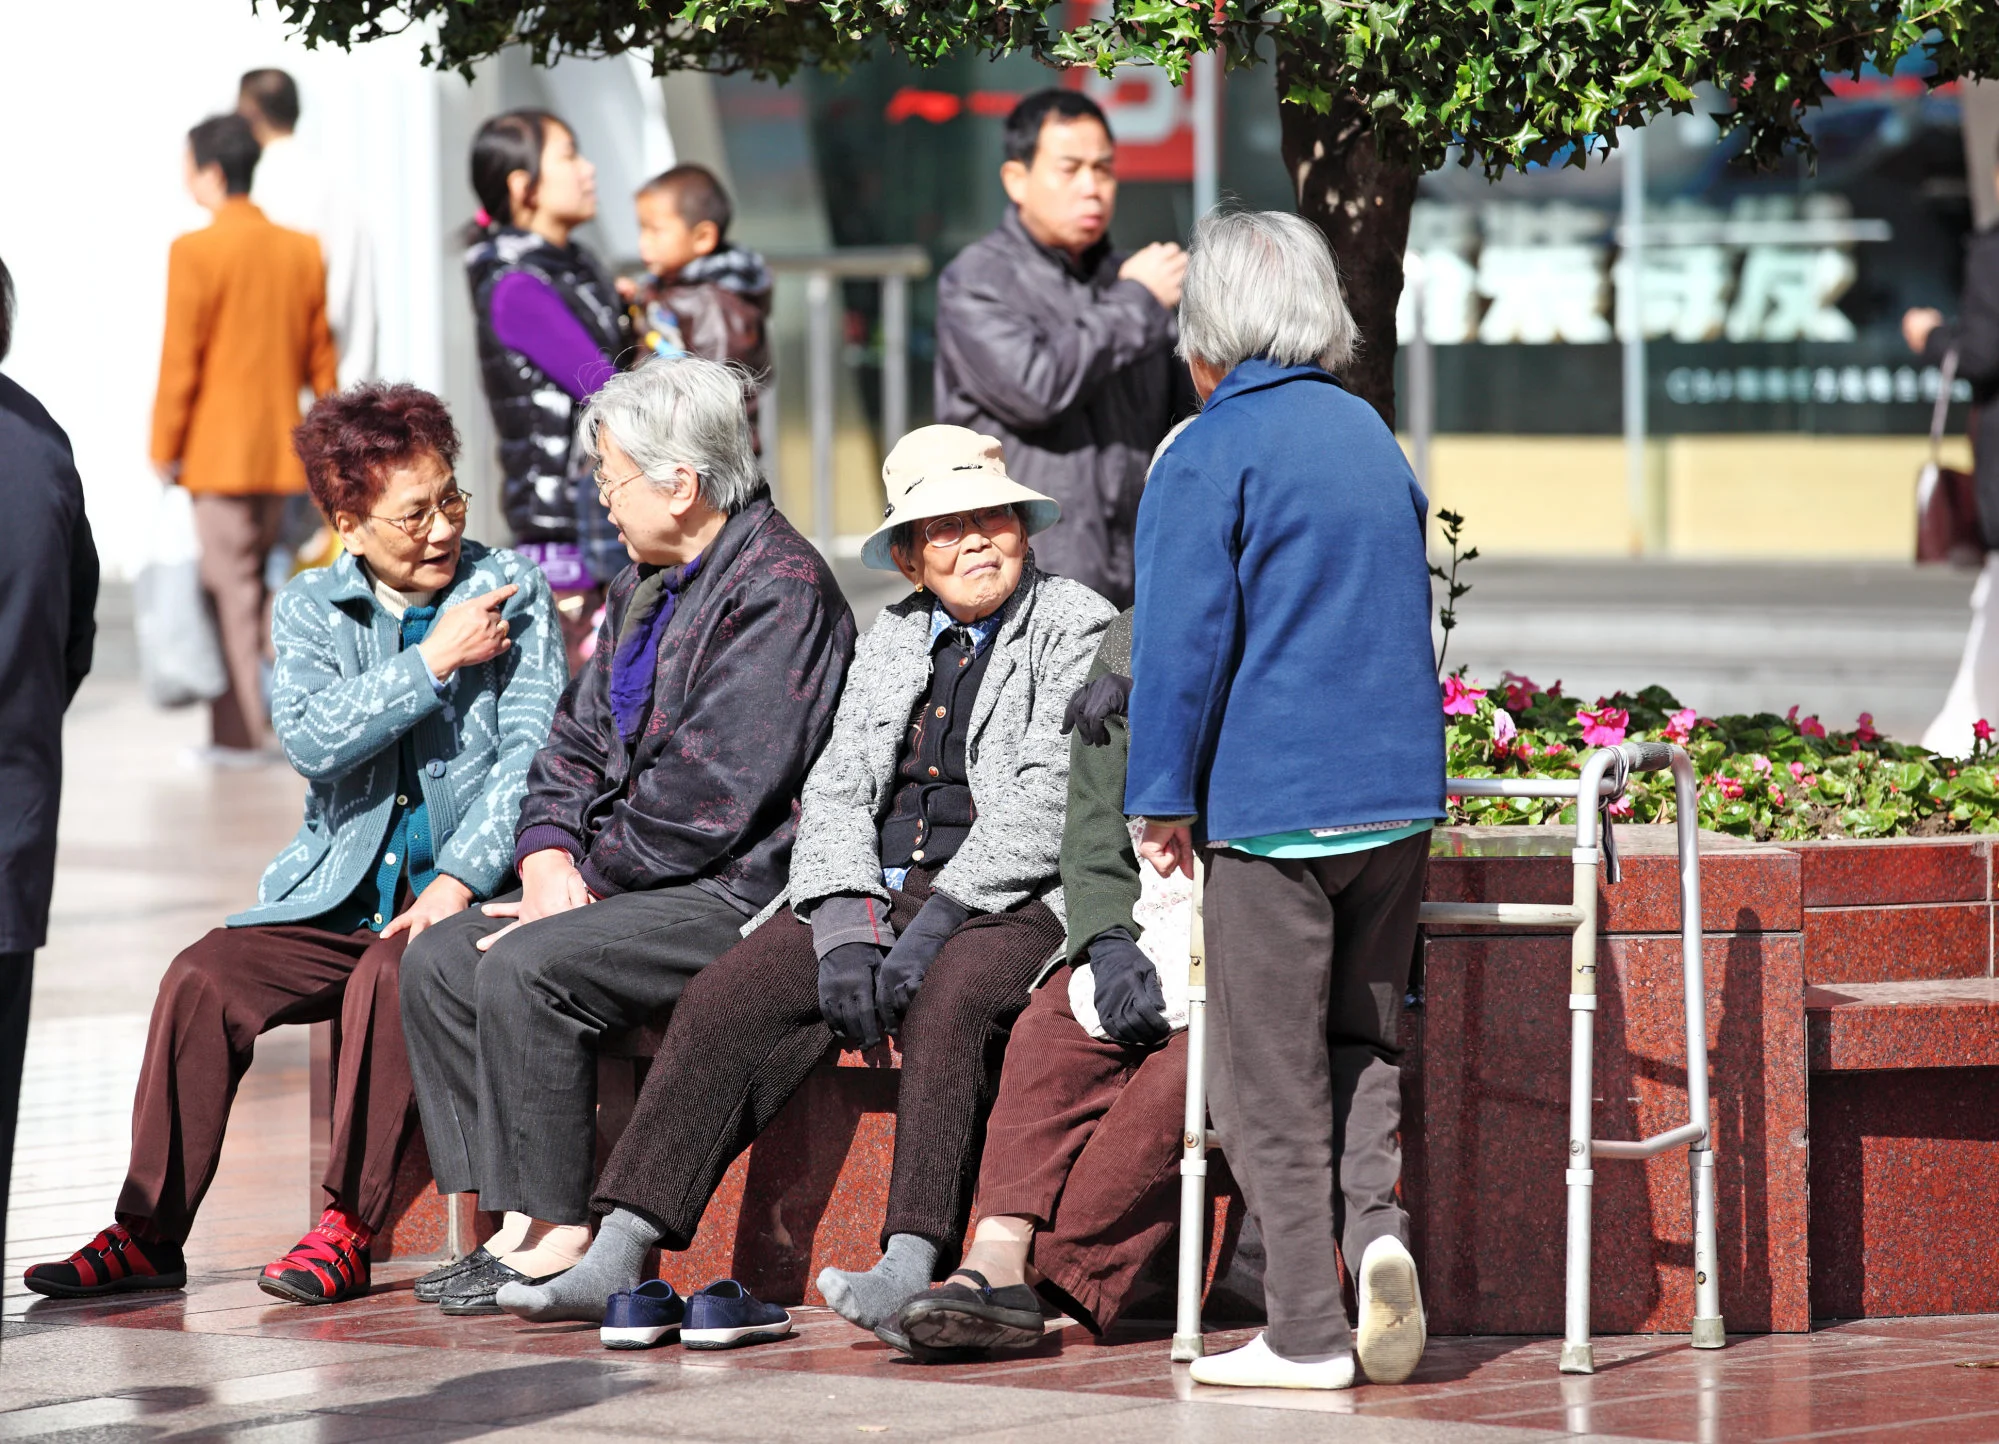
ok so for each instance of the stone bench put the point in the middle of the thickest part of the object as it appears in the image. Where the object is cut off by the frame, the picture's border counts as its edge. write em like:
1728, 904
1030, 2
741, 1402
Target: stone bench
1845, 1154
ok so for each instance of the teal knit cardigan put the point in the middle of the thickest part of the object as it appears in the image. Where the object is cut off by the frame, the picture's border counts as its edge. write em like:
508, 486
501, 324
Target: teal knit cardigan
344, 692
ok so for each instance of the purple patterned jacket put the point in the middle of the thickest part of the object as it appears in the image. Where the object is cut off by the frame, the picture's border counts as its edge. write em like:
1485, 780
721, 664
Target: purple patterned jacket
748, 678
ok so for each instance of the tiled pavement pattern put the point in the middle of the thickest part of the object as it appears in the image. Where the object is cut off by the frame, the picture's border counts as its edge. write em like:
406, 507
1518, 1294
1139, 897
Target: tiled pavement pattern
153, 853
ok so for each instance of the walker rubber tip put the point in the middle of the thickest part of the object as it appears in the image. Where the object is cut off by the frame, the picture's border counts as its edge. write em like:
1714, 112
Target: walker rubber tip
1578, 1359
1187, 1348
1709, 1334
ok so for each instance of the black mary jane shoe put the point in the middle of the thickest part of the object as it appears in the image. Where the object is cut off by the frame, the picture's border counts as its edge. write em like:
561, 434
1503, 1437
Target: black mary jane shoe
475, 1293
954, 1317
433, 1286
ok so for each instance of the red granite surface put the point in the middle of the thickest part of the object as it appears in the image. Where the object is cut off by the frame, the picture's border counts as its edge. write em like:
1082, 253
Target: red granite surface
1888, 944
1883, 1026
1903, 1169
1849, 872
1745, 887
1487, 1192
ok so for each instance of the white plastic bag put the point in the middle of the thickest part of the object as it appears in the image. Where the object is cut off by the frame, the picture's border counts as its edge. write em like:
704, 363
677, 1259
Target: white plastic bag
180, 656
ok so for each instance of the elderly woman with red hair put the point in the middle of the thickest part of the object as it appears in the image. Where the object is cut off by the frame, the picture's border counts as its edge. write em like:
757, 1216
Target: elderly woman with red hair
415, 679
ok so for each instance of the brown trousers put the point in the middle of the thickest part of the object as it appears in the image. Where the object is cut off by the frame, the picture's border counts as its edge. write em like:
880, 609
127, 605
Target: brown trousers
236, 535
217, 998
747, 1032
1085, 1141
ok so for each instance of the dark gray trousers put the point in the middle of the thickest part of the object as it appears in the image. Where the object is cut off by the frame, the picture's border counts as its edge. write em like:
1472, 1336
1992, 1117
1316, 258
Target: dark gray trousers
503, 1044
17, 983
1308, 964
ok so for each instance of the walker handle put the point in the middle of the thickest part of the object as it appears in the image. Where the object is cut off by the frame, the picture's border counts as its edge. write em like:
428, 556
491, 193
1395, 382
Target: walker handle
1647, 756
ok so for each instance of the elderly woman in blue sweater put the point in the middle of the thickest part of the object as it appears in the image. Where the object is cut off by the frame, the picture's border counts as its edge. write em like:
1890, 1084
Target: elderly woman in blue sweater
415, 679
1285, 719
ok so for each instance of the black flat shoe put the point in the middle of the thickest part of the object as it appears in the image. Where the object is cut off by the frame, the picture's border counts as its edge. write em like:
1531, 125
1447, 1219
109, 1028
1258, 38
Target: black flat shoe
954, 1317
434, 1285
472, 1294
891, 1333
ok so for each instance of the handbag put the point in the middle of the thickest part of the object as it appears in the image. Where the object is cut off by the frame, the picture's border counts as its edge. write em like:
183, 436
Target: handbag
1948, 528
180, 656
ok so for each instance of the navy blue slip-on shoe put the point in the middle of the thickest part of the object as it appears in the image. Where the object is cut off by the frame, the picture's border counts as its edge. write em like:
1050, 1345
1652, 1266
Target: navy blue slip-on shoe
639, 1318
725, 1315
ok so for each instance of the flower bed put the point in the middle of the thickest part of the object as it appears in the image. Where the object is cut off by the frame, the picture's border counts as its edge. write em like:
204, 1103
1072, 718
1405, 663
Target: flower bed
1765, 776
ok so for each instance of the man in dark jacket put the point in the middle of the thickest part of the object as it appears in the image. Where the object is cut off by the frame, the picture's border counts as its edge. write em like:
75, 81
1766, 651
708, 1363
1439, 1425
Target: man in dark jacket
1974, 340
48, 603
659, 817
1060, 346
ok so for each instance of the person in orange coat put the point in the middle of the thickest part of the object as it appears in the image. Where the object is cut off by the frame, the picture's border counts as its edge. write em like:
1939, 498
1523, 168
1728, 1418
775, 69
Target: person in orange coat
246, 332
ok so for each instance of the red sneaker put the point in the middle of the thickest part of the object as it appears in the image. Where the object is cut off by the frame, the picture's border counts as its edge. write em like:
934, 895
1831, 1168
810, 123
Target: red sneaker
112, 1263
327, 1265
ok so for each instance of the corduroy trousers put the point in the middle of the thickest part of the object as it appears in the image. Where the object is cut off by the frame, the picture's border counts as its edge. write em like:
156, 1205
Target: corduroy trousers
747, 1032
1084, 1141
218, 997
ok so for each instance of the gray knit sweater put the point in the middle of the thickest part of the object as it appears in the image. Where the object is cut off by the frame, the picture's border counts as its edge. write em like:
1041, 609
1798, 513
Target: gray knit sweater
1018, 759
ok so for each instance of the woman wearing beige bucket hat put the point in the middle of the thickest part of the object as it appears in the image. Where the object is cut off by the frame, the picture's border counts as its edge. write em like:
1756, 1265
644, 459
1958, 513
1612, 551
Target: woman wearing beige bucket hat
925, 895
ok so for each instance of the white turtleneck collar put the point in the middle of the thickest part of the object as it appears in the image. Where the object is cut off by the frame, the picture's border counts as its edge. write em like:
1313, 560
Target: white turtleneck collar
393, 602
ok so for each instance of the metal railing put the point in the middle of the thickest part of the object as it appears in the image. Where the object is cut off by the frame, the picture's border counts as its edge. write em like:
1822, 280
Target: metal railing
893, 268
1602, 780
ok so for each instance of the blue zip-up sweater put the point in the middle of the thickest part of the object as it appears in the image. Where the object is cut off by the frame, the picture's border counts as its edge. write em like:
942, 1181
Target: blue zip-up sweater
1282, 669
344, 694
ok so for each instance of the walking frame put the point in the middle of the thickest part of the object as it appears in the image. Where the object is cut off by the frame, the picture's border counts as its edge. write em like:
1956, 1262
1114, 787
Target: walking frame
1603, 778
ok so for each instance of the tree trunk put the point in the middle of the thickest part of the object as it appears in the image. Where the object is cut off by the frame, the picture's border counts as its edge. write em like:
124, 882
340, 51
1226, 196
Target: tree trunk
1361, 203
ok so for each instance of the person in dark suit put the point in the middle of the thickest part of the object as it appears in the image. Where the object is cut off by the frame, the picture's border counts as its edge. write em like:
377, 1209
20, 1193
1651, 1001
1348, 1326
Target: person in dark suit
48, 605
1974, 339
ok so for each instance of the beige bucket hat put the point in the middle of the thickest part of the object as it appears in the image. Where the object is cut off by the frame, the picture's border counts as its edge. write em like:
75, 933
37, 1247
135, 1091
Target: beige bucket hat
938, 470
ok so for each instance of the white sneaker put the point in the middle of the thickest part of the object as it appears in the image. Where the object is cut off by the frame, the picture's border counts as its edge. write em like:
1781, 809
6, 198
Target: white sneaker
1254, 1366
1391, 1333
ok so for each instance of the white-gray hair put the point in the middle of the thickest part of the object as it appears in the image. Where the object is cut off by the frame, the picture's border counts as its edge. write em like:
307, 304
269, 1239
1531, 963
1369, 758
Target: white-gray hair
1263, 283
679, 411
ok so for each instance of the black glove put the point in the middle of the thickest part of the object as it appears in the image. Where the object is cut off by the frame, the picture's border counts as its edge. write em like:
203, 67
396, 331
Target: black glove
1130, 1003
847, 993
1093, 704
903, 969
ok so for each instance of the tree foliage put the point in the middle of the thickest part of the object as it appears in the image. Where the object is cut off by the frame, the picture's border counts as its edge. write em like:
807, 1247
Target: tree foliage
1510, 82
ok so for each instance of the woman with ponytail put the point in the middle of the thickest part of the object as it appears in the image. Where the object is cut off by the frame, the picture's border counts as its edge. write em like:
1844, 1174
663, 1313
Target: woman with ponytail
551, 330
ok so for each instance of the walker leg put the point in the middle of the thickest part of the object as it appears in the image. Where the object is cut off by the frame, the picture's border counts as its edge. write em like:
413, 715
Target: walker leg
1577, 1355
1709, 1332
1193, 1266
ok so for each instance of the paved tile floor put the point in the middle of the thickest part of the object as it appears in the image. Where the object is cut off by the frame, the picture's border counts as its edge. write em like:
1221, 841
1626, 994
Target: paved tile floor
153, 853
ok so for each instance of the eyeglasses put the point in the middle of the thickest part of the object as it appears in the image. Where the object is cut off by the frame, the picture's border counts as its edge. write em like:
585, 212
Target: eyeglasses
416, 526
948, 531
607, 486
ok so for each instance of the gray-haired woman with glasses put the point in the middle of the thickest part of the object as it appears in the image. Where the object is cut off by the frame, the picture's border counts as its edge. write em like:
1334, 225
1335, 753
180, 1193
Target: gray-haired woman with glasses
415, 679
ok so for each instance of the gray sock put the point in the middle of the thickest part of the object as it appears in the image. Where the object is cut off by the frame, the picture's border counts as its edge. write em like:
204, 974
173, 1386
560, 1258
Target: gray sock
872, 1297
617, 1256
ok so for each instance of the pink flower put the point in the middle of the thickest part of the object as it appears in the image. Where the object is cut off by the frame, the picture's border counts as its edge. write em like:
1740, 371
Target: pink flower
1777, 795
1680, 725
1621, 807
1730, 788
1811, 727
1605, 727
1865, 731
1810, 779
1797, 771
1503, 730
1519, 690
1553, 749
1760, 763
1461, 699
1792, 715
1982, 730
1556, 690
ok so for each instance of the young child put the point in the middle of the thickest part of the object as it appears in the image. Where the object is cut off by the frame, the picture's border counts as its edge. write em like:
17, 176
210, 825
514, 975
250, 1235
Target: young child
704, 296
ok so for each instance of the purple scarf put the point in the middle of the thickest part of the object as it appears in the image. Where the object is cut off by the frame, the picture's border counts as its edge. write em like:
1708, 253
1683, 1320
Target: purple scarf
636, 660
